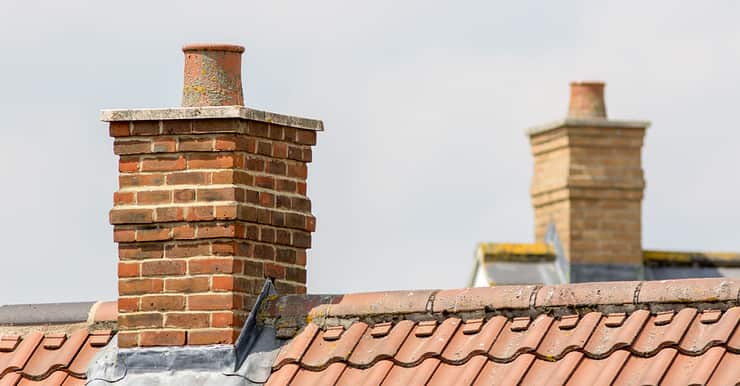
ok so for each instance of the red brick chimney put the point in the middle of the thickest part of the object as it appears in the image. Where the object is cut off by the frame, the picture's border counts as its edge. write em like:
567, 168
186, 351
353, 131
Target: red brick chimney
211, 201
588, 184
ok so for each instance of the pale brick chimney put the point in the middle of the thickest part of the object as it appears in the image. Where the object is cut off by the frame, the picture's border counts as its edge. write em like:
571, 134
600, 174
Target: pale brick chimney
588, 184
211, 201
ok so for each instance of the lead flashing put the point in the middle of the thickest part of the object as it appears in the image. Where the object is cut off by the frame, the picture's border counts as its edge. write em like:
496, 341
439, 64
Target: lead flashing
209, 112
587, 122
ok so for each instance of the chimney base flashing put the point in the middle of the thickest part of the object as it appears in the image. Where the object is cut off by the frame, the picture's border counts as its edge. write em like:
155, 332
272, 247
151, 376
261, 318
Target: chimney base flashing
210, 112
587, 122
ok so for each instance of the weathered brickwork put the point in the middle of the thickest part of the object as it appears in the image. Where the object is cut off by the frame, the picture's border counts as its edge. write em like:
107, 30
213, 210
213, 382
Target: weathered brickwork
588, 181
206, 210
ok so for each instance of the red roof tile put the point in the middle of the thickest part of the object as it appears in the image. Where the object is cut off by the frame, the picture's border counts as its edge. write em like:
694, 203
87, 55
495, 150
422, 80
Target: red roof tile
52, 359
573, 334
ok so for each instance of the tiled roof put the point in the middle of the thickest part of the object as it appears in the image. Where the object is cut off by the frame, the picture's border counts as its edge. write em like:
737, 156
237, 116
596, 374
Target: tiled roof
54, 354
622, 333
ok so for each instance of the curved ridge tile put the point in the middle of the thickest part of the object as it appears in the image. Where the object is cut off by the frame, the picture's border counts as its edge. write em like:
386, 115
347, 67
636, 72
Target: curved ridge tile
693, 370
283, 376
372, 348
727, 372
606, 339
701, 335
640, 371
616, 292
293, 350
327, 376
17, 359
448, 374
411, 376
560, 339
504, 374
464, 344
654, 337
543, 372
689, 290
375, 303
599, 371
45, 360
326, 350
416, 348
482, 298
734, 343
512, 342
371, 376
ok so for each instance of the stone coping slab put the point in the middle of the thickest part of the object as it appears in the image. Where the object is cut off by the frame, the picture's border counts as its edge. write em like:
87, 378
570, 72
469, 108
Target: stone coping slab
209, 112
587, 122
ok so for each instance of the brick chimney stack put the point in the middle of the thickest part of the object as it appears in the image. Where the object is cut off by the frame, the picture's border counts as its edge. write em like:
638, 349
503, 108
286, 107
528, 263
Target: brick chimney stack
588, 183
211, 201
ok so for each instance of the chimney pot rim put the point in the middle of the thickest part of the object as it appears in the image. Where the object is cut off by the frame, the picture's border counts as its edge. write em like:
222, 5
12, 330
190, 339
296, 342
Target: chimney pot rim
193, 47
588, 83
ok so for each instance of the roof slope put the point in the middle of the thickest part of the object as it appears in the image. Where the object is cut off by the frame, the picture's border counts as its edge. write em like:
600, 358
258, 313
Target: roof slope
52, 344
622, 333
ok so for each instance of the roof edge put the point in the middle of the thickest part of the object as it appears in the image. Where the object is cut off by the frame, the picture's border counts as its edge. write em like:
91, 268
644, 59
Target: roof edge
720, 259
587, 122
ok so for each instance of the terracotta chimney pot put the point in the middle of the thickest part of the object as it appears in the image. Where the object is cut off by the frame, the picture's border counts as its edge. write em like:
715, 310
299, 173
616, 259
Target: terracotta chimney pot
212, 75
587, 100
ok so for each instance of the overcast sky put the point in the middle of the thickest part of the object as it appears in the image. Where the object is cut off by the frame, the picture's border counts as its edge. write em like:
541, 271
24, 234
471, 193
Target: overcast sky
424, 105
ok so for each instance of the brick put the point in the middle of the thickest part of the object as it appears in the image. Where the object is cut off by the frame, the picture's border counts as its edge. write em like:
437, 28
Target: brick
212, 265
183, 232
187, 319
164, 145
183, 195
284, 185
177, 127
301, 204
162, 338
143, 320
187, 178
120, 129
301, 239
216, 125
255, 164
265, 182
280, 150
131, 216
226, 319
163, 164
213, 161
297, 170
267, 199
217, 194
225, 212
129, 269
170, 214
295, 153
301, 188
264, 252
259, 129
162, 302
282, 237
137, 146
200, 213
186, 285
224, 248
285, 255
154, 179
218, 230
253, 268
300, 257
294, 220
123, 235
295, 274
123, 198
223, 283
127, 339
276, 132
128, 304
273, 270
145, 128
267, 235
205, 302
163, 267
264, 148
128, 164
140, 251
195, 144
212, 336
305, 137
187, 249
154, 197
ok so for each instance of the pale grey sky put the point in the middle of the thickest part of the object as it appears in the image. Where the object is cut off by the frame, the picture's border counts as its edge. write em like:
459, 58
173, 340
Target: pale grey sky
424, 105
